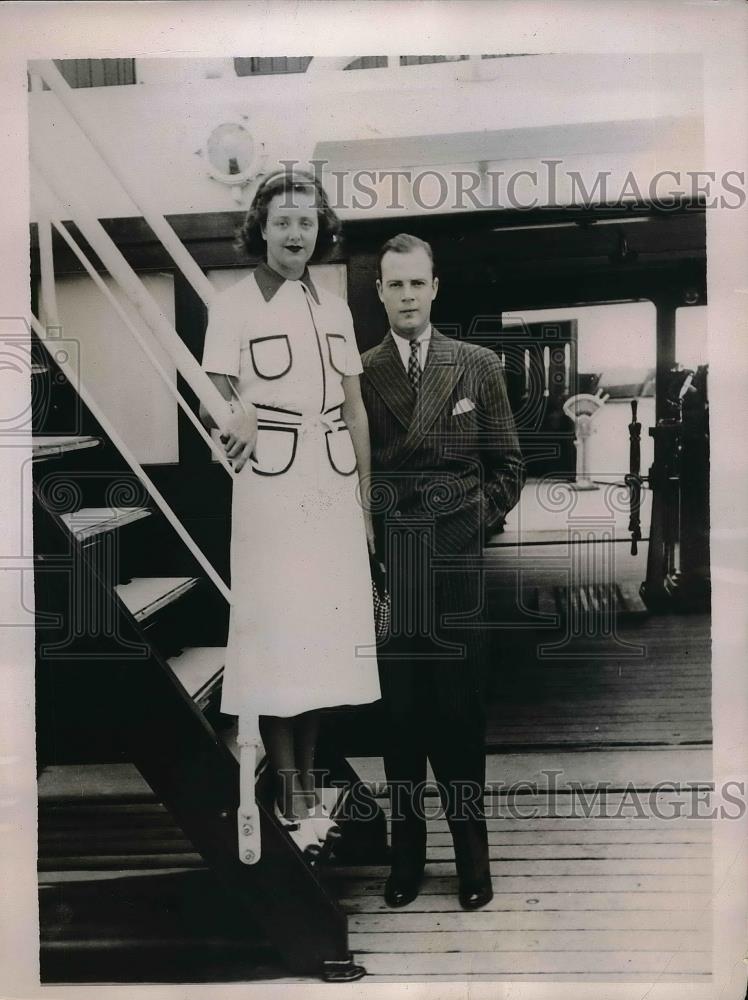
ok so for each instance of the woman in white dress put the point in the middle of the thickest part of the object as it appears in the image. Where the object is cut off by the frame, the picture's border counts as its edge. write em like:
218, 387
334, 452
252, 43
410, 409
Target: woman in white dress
301, 632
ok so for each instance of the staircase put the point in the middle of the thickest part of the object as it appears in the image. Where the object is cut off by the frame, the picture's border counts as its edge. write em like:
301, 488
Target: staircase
140, 875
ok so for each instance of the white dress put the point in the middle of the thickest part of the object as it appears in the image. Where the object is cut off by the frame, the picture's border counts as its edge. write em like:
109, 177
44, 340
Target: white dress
301, 633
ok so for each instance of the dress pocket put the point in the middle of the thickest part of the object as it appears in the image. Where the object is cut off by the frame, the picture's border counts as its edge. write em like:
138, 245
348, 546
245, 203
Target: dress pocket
340, 451
337, 350
271, 356
275, 450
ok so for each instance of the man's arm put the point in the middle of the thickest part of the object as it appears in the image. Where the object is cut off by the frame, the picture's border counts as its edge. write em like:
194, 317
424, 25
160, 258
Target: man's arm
503, 467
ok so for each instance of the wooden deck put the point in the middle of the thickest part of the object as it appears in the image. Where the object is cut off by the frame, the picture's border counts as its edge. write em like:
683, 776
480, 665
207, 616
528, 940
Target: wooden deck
646, 683
592, 881
598, 873
616, 893
662, 697
586, 887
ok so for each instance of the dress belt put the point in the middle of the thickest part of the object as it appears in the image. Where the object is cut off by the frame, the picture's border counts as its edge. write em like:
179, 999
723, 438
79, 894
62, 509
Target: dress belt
305, 424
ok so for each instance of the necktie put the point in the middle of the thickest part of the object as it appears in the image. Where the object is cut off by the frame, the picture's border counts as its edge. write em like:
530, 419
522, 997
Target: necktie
414, 368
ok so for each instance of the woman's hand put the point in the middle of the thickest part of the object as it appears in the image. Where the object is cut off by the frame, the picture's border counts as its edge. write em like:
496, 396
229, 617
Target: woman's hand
239, 435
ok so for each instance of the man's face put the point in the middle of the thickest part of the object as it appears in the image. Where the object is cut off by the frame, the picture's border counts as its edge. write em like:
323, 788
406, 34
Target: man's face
407, 288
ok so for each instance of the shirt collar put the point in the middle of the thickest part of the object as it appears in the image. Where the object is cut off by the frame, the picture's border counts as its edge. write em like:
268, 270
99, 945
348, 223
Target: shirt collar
269, 281
423, 340
422, 337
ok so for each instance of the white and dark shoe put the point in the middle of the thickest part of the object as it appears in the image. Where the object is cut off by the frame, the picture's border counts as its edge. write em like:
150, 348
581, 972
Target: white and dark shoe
302, 832
324, 826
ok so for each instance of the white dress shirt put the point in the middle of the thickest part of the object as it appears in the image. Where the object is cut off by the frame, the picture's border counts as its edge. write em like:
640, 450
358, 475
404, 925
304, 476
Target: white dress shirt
403, 346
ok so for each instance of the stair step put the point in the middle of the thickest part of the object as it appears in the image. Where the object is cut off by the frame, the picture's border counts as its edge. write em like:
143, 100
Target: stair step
105, 818
46, 446
90, 838
180, 926
77, 876
143, 596
199, 669
87, 785
91, 521
132, 860
87, 824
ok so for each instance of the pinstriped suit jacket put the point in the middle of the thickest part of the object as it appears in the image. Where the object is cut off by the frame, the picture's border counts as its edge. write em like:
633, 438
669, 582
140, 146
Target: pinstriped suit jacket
459, 471
443, 474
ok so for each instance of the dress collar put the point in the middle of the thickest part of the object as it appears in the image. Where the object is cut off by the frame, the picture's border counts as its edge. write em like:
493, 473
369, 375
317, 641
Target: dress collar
269, 281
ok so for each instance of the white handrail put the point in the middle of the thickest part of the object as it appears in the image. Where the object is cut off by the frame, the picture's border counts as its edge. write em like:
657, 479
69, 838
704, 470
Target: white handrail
120, 270
131, 460
52, 214
47, 70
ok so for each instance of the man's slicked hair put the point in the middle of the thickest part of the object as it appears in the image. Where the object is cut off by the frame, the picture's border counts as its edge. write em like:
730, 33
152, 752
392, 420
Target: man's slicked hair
404, 243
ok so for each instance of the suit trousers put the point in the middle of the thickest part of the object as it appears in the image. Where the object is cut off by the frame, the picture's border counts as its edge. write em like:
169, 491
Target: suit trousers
435, 711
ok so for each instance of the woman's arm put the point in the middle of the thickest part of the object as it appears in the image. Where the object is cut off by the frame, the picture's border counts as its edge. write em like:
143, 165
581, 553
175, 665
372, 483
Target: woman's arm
354, 414
239, 436
221, 382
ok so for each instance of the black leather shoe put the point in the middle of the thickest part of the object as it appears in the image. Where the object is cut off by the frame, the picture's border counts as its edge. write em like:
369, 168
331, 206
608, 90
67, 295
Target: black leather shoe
474, 895
400, 890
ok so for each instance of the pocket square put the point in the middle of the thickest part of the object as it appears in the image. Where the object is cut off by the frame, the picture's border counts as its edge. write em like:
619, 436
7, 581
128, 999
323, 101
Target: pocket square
464, 406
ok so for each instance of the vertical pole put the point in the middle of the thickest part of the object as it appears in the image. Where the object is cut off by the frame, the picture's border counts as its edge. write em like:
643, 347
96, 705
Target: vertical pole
665, 327
49, 312
694, 483
662, 512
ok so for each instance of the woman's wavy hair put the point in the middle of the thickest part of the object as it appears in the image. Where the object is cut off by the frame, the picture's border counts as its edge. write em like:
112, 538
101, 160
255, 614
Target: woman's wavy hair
249, 238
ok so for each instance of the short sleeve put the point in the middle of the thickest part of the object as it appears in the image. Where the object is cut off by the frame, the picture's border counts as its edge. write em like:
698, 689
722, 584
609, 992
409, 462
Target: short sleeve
221, 352
353, 364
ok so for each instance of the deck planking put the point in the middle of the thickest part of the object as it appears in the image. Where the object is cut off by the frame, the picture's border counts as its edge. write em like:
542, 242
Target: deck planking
576, 696
608, 895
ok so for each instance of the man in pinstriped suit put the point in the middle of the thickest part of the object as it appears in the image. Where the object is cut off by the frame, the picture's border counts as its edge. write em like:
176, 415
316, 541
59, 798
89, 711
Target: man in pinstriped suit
446, 468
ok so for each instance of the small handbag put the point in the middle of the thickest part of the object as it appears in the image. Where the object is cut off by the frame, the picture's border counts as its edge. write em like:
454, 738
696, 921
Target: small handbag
381, 598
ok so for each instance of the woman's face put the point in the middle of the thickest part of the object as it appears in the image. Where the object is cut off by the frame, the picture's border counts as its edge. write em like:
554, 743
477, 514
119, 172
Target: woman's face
291, 231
